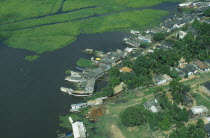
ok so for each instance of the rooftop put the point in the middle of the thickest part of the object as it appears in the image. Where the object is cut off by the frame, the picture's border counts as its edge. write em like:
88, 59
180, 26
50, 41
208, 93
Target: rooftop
207, 85
199, 109
126, 69
79, 130
191, 67
200, 64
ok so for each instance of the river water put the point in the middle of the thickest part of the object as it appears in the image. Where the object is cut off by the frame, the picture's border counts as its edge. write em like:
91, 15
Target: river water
30, 99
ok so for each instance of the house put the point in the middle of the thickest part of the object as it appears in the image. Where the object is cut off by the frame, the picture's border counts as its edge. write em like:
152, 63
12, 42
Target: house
201, 65
180, 73
119, 88
207, 86
134, 32
192, 68
135, 42
188, 101
152, 105
181, 34
95, 73
161, 79
104, 67
187, 72
90, 85
185, 5
207, 61
76, 107
198, 111
126, 69
97, 101
207, 129
145, 39
79, 130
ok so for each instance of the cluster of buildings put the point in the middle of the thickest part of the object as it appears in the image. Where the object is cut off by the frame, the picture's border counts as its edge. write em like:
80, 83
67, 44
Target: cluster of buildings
195, 5
86, 80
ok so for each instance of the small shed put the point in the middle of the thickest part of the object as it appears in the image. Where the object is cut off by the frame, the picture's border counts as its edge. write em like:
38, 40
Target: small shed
95, 102
198, 111
152, 105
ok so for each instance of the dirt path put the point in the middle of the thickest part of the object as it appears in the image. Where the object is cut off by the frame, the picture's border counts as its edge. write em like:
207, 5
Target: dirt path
116, 132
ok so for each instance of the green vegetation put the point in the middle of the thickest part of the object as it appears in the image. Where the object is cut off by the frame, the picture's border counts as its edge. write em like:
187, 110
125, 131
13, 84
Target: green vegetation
32, 58
207, 12
159, 36
68, 72
85, 63
192, 131
50, 32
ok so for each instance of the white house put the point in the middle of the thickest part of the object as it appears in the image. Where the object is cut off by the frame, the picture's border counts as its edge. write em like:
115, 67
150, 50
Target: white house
181, 34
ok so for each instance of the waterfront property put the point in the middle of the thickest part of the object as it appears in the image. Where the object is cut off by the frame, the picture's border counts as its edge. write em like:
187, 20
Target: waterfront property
152, 105
90, 85
198, 111
76, 107
79, 130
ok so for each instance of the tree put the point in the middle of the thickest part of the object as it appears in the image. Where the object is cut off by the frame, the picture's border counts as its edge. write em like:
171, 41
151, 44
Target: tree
196, 24
107, 91
132, 117
114, 81
159, 36
207, 12
114, 72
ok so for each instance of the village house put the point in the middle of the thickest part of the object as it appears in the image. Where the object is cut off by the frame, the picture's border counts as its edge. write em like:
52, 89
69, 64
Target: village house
134, 32
145, 39
76, 107
207, 129
207, 61
181, 34
119, 88
188, 101
192, 68
79, 130
185, 5
135, 42
201, 65
90, 85
104, 67
187, 72
95, 73
97, 101
198, 111
180, 73
207, 87
152, 105
126, 69
161, 79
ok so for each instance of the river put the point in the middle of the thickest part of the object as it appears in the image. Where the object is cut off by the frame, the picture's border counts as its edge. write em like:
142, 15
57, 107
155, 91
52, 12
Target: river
30, 99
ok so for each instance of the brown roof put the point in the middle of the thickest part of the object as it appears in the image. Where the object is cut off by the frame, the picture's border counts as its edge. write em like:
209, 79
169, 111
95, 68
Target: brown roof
200, 64
126, 69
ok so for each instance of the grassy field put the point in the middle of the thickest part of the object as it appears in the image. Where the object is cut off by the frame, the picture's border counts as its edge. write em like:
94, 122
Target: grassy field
52, 37
52, 32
